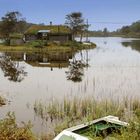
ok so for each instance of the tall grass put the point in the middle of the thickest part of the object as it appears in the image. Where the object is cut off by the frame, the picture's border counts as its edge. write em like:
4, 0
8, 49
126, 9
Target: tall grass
70, 112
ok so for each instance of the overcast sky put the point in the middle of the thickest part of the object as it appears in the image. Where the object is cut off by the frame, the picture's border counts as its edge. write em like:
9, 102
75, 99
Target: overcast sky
101, 13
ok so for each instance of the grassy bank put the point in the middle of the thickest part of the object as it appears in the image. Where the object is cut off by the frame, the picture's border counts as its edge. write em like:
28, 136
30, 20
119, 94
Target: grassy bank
70, 112
75, 111
50, 47
10, 130
32, 49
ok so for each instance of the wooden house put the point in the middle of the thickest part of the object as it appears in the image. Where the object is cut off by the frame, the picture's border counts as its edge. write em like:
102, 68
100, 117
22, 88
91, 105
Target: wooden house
51, 33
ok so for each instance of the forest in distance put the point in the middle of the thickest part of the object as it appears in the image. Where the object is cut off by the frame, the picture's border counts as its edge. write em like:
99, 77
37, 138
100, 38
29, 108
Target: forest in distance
132, 30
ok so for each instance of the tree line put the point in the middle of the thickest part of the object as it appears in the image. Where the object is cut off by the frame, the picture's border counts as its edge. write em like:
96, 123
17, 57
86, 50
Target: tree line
126, 31
13, 22
130, 31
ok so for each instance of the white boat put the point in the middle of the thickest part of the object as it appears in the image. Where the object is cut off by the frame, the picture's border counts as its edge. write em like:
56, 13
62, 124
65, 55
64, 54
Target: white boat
102, 124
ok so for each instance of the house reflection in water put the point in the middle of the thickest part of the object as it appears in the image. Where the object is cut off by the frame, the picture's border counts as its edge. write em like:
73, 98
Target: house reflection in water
53, 60
37, 59
75, 67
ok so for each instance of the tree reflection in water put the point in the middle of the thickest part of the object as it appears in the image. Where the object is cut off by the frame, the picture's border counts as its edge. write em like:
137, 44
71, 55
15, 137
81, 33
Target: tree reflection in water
76, 69
11, 69
134, 44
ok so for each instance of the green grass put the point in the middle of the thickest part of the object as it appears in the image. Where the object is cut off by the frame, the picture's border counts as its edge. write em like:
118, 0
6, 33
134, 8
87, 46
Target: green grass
51, 47
33, 49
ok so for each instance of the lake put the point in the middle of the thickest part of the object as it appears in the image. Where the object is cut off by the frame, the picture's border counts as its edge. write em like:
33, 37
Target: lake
111, 70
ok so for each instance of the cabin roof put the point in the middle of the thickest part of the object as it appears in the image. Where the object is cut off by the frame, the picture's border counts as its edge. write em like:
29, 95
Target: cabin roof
34, 29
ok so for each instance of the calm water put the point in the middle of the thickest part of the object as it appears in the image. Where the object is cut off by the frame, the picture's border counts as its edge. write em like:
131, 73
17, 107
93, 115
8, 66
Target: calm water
112, 70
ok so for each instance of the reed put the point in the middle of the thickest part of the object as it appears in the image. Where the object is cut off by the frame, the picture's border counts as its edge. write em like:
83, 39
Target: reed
70, 112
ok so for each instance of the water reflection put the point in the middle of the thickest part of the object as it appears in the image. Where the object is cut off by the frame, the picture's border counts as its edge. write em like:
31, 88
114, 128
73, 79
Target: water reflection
76, 71
134, 44
12, 69
53, 60
40, 59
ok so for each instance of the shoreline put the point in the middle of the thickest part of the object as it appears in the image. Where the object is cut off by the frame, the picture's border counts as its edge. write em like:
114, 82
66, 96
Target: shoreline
54, 48
84, 110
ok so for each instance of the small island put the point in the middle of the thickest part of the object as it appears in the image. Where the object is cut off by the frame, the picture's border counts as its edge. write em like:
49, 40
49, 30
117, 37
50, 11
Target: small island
40, 37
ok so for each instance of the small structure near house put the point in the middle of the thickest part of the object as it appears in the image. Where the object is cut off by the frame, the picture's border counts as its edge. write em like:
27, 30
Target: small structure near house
52, 33
16, 39
105, 125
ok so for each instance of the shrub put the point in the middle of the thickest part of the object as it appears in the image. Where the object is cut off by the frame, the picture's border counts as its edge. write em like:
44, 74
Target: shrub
9, 130
36, 43
2, 101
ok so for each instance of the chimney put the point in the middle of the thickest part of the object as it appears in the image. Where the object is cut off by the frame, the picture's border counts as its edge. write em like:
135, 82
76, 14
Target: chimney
58, 29
50, 23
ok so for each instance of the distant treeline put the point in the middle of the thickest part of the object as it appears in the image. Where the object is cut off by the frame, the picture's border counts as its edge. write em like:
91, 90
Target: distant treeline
126, 31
